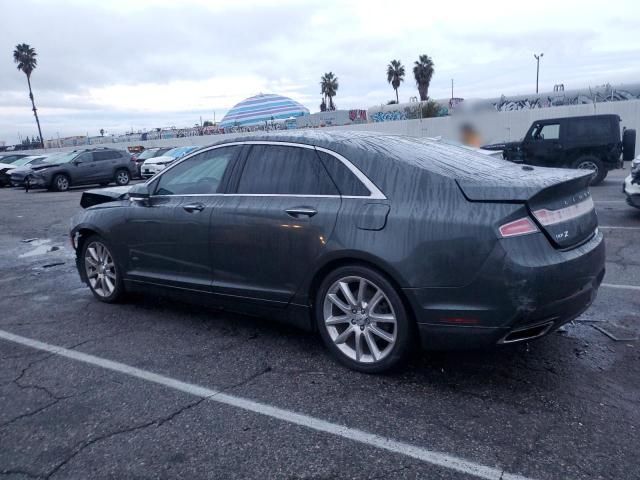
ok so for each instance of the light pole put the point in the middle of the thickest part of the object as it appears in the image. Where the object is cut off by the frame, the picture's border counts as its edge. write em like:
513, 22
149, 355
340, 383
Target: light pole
537, 57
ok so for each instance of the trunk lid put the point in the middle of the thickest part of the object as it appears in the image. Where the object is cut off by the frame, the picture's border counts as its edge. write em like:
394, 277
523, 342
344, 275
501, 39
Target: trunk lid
558, 200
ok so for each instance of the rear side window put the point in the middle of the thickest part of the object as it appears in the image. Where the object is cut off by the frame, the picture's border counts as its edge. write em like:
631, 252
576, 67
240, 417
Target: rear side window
592, 129
106, 155
283, 170
347, 183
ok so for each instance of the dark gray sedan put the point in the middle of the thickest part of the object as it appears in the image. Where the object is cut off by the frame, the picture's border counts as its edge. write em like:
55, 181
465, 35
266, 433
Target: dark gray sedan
377, 242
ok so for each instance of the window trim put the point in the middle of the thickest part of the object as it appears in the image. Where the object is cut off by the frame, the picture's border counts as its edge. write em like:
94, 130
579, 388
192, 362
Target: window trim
374, 192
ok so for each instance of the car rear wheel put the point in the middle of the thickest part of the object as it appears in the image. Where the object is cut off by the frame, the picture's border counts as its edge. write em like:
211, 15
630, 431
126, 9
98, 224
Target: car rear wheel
101, 270
60, 183
362, 320
122, 177
591, 162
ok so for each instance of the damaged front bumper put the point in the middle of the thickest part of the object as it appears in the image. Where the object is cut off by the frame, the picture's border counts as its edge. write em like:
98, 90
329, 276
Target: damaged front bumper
631, 189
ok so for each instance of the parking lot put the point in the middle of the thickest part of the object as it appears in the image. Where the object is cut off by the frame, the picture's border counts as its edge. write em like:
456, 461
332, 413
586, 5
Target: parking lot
157, 389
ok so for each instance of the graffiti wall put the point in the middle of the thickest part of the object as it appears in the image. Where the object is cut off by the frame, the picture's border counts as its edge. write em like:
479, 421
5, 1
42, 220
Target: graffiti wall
558, 98
403, 111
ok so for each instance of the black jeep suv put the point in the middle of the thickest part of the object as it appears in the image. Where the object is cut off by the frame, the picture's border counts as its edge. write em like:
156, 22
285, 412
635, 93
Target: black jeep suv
592, 142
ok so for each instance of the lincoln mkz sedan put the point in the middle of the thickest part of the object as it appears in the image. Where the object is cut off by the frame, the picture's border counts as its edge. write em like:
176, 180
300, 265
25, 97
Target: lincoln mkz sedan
377, 242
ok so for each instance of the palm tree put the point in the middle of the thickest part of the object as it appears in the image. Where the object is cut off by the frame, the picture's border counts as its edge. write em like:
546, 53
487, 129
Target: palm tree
423, 71
25, 57
102, 132
395, 75
329, 88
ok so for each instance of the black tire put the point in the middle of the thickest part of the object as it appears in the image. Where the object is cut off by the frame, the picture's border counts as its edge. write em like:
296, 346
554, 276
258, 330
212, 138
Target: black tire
99, 289
403, 330
60, 183
122, 177
593, 163
629, 144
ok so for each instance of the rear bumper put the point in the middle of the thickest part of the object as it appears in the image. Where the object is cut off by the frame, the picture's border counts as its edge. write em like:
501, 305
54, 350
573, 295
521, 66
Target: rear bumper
525, 290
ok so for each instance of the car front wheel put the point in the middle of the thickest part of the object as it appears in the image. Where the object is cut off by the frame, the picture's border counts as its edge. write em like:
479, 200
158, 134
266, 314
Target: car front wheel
362, 320
60, 183
101, 270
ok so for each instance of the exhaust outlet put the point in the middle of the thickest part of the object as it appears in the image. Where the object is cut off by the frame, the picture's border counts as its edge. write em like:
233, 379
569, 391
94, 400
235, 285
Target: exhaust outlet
527, 333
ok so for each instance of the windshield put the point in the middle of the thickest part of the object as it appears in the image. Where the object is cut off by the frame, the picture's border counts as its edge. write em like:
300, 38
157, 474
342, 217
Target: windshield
24, 160
178, 152
64, 158
150, 153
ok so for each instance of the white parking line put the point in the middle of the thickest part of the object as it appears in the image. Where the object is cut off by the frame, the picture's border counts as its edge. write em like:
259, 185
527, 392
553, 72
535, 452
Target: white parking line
435, 458
621, 287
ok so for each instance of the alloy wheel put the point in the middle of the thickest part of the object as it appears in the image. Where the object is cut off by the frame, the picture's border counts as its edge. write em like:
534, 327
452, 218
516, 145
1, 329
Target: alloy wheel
62, 183
100, 269
122, 178
359, 319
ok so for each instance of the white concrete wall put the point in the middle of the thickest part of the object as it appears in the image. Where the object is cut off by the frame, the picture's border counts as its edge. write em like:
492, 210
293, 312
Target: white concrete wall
493, 126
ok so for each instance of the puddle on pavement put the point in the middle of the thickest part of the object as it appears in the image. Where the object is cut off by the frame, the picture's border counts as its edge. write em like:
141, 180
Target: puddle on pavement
41, 247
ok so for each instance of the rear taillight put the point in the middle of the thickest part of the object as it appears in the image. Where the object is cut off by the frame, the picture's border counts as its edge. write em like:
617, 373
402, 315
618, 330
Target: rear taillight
552, 217
522, 226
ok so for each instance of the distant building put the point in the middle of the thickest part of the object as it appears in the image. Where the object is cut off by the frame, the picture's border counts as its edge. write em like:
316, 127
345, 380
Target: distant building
261, 110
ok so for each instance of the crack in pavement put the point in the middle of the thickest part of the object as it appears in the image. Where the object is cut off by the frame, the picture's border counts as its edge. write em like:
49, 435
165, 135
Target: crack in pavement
80, 447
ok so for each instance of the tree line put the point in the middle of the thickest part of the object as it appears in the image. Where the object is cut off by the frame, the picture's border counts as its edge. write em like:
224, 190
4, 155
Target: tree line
423, 70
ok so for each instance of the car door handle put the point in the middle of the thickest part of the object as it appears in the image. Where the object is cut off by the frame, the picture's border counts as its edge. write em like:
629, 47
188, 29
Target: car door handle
301, 212
193, 207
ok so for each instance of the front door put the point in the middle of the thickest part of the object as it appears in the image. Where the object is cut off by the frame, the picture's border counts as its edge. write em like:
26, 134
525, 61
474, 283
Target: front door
83, 169
543, 145
169, 233
273, 224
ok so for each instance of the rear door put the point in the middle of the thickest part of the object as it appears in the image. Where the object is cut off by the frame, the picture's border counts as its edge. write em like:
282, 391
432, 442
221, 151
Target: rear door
279, 214
168, 236
105, 161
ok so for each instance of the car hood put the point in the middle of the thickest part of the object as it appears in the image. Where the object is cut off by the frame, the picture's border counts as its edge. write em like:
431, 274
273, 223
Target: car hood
6, 166
501, 146
103, 195
161, 159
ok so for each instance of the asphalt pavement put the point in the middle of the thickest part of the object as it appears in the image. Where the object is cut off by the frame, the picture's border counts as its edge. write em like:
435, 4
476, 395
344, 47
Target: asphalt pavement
152, 388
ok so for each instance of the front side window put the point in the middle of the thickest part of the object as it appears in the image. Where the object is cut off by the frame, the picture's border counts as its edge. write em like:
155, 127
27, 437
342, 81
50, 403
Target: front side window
200, 174
84, 158
548, 132
284, 170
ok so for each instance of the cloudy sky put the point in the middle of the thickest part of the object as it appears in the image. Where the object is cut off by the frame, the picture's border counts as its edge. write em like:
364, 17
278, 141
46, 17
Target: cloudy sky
123, 64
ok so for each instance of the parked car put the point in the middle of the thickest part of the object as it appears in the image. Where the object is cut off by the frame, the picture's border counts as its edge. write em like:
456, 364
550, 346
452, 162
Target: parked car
84, 167
7, 169
592, 142
631, 186
8, 158
23, 167
156, 164
375, 241
147, 154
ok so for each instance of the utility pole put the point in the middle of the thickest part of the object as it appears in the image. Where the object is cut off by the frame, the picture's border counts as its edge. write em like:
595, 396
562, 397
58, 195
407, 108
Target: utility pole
452, 89
537, 57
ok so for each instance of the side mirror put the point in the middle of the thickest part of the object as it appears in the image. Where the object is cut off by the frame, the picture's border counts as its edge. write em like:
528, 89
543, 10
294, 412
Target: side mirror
139, 193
